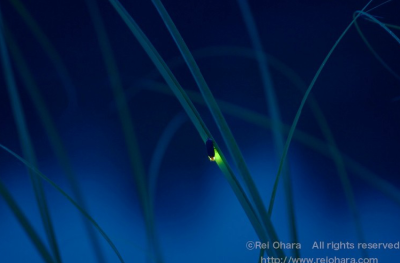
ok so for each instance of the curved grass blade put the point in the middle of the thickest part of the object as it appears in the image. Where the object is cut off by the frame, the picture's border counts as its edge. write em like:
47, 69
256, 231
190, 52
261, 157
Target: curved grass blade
26, 143
386, 28
376, 55
345, 181
304, 138
53, 136
222, 125
51, 52
128, 128
329, 150
24, 222
297, 117
80, 209
339, 160
196, 120
163, 69
273, 109
161, 148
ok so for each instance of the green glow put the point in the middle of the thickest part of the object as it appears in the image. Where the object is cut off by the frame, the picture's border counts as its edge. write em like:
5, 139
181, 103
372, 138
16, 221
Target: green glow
217, 157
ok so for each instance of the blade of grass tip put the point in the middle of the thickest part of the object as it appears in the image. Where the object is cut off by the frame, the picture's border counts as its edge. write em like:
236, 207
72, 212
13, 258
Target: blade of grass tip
372, 50
273, 109
25, 224
193, 114
62, 192
26, 144
303, 101
127, 125
53, 136
220, 121
307, 140
51, 52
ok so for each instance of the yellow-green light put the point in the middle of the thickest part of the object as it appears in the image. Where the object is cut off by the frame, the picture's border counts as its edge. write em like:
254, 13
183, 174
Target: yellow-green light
217, 157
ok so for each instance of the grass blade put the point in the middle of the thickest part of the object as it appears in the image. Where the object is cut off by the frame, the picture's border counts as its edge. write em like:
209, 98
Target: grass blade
221, 123
386, 28
161, 148
51, 51
128, 128
53, 136
74, 203
307, 93
26, 143
304, 138
345, 180
24, 222
194, 117
273, 109
391, 71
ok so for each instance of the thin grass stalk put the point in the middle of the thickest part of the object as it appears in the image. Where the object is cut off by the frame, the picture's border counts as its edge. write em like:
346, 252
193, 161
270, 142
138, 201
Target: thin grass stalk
273, 109
193, 115
345, 181
26, 144
62, 192
386, 28
160, 150
51, 52
304, 138
372, 50
53, 136
128, 127
25, 224
298, 113
227, 135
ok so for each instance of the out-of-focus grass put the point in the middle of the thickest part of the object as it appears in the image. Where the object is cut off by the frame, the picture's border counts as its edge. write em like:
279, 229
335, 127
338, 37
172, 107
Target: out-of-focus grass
257, 222
248, 196
26, 145
74, 203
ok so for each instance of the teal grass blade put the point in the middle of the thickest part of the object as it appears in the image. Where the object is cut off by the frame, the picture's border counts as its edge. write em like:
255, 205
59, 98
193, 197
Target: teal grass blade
25, 224
26, 144
222, 125
62, 192
195, 118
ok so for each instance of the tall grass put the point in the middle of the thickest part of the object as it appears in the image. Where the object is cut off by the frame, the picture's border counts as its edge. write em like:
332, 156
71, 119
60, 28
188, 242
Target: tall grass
238, 176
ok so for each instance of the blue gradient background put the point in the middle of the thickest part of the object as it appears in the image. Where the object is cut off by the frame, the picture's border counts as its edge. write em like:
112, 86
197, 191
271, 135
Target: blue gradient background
198, 218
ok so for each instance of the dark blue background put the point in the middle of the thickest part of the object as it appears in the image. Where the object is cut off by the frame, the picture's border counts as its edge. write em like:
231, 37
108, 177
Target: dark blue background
197, 215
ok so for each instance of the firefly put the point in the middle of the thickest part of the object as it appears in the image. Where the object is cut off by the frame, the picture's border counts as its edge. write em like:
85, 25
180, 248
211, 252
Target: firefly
210, 149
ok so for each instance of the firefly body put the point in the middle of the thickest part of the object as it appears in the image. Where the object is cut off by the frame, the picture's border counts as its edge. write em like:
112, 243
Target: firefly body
210, 149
